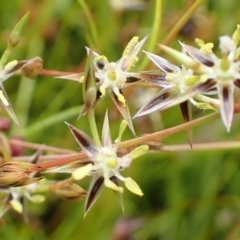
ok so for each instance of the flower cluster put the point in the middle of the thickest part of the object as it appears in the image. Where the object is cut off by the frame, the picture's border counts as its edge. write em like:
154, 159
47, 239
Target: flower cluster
200, 77
200, 74
104, 163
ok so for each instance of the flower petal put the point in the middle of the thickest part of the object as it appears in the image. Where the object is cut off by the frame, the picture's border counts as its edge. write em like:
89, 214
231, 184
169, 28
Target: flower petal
186, 113
83, 140
156, 77
225, 93
90, 50
6, 104
199, 56
200, 88
36, 157
124, 110
132, 79
119, 195
13, 67
163, 97
93, 193
126, 61
106, 133
162, 63
5, 206
122, 128
237, 83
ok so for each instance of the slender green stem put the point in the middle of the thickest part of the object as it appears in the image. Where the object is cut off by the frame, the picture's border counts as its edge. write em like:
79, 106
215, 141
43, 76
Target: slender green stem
93, 127
90, 20
6, 55
179, 24
155, 31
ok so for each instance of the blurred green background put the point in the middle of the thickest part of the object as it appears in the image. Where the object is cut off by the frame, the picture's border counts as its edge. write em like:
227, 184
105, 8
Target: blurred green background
188, 194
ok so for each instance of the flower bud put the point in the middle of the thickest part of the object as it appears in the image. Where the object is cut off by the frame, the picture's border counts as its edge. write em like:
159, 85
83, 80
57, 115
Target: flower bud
15, 174
16, 150
33, 67
4, 124
17, 31
68, 191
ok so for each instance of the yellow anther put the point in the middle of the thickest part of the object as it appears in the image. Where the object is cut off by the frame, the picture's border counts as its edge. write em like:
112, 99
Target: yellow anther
121, 99
16, 205
131, 45
132, 186
108, 183
102, 91
100, 58
81, 79
132, 63
82, 172
101, 61
205, 47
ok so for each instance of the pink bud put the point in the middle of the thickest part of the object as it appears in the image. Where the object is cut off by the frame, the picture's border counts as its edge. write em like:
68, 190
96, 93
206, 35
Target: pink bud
4, 124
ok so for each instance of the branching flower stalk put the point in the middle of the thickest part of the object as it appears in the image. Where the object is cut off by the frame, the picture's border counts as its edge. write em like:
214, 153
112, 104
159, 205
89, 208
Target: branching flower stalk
203, 79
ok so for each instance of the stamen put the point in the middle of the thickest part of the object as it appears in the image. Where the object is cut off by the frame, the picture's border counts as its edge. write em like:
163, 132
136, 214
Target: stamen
133, 42
108, 183
121, 99
103, 91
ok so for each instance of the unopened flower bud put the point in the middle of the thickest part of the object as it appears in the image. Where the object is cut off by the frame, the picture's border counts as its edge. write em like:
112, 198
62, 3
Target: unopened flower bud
90, 97
33, 67
17, 31
68, 191
15, 174
4, 124
16, 150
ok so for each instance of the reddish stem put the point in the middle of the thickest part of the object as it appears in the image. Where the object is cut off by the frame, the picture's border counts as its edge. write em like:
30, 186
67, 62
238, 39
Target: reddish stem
54, 73
58, 162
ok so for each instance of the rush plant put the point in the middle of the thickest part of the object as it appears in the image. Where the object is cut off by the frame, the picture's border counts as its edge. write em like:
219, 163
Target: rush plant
197, 79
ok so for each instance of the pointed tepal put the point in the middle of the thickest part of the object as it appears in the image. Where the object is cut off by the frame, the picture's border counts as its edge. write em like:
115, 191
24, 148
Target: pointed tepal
84, 141
226, 94
5, 103
93, 193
